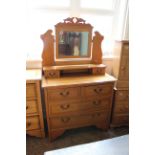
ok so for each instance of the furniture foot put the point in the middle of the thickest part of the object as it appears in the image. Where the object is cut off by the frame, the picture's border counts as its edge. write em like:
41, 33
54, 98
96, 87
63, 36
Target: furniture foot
56, 133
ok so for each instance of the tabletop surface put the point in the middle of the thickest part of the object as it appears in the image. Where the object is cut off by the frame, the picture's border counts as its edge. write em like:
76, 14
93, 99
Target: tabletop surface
77, 80
33, 74
114, 146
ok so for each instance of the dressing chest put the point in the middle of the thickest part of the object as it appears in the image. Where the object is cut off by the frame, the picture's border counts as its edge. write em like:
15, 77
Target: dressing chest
77, 90
120, 114
34, 115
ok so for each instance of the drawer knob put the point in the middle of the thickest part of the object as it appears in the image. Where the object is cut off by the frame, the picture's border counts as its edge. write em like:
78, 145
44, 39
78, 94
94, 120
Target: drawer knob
64, 93
64, 106
97, 102
27, 107
28, 124
65, 119
99, 90
52, 74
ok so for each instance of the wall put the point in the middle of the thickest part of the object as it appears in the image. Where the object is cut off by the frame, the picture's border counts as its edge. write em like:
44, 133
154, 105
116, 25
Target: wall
108, 62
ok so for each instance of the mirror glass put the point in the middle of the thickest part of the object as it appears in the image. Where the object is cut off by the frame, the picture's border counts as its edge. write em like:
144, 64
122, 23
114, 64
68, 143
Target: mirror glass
73, 44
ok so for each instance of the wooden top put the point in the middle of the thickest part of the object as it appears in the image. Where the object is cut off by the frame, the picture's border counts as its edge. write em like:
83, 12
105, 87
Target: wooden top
70, 67
33, 74
77, 80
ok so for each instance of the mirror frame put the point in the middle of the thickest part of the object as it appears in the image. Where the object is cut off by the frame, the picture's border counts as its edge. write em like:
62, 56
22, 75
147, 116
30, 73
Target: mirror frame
73, 24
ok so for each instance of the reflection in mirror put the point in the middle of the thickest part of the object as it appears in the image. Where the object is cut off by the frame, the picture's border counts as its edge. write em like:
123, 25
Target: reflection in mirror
73, 44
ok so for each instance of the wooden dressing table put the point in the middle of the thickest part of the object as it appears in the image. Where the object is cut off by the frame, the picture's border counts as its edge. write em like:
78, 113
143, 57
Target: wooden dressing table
77, 90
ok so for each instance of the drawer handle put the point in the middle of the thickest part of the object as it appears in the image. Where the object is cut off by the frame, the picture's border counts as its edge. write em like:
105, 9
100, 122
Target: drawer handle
97, 102
64, 93
98, 90
28, 124
27, 107
64, 107
52, 74
65, 119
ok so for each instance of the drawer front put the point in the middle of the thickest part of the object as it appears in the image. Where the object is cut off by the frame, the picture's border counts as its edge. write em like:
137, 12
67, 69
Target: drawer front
61, 106
31, 106
98, 90
32, 123
31, 90
51, 73
70, 121
64, 94
122, 95
120, 119
121, 108
99, 71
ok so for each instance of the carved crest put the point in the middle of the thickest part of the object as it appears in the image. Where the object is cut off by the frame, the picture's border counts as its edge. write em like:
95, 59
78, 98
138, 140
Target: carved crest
74, 20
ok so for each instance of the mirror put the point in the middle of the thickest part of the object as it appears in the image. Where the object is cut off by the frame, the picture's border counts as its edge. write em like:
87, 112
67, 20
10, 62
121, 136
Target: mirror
73, 40
73, 44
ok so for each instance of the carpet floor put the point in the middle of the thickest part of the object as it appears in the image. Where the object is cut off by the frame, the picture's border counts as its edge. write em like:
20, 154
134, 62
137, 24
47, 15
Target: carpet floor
37, 146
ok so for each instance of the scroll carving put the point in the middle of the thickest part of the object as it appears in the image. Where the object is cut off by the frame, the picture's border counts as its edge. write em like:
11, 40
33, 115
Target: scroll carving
96, 49
74, 20
48, 49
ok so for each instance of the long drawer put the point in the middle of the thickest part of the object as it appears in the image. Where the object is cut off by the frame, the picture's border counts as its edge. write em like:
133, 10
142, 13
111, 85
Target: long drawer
31, 90
31, 106
32, 122
98, 90
63, 93
73, 105
69, 121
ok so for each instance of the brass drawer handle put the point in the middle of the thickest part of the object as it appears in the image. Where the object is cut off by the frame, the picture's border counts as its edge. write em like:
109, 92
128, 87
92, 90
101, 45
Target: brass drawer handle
65, 119
99, 90
97, 102
64, 93
28, 124
52, 74
64, 106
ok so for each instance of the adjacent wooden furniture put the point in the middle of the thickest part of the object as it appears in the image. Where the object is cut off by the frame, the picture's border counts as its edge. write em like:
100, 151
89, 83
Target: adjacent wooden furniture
34, 115
77, 90
78, 101
120, 115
